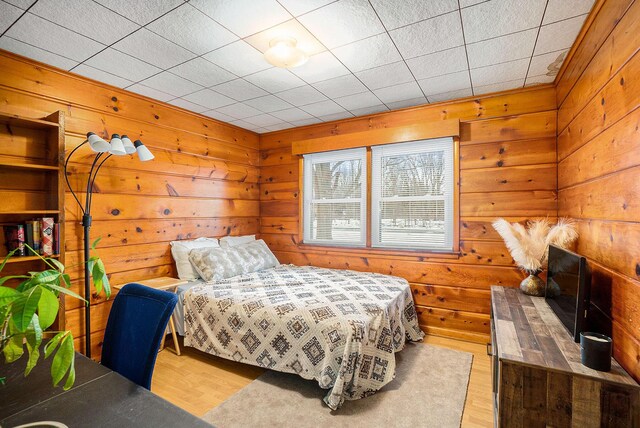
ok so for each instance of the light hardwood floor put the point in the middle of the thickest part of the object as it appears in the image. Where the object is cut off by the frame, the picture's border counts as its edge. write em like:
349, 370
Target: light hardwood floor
198, 382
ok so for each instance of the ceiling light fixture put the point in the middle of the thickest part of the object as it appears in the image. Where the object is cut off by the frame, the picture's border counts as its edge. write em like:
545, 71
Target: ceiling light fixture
284, 53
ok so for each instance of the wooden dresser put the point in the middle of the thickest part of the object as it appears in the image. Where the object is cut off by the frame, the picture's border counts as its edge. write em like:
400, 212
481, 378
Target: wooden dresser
538, 379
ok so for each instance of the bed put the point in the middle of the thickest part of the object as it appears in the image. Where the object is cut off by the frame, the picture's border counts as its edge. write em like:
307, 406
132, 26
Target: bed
340, 328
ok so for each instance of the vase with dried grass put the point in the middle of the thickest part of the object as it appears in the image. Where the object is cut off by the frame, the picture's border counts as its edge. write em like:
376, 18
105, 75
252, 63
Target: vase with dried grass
529, 247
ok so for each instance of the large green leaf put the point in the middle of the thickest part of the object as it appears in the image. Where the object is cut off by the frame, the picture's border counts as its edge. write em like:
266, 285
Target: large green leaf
62, 360
13, 348
65, 291
98, 274
7, 278
46, 276
51, 345
24, 307
34, 339
71, 379
47, 308
7, 295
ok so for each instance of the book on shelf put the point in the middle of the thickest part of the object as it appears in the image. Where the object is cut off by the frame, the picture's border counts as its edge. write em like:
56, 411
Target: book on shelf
42, 235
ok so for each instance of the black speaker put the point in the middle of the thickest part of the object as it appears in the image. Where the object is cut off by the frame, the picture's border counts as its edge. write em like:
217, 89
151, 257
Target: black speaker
595, 351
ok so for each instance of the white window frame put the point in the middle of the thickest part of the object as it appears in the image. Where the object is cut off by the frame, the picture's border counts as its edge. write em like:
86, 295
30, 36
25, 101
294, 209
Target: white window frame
414, 147
333, 156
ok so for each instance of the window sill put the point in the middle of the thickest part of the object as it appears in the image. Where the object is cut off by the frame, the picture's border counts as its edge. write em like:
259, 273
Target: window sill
423, 255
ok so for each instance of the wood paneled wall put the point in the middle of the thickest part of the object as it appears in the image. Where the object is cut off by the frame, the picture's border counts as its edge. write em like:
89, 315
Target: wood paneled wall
508, 169
598, 96
203, 181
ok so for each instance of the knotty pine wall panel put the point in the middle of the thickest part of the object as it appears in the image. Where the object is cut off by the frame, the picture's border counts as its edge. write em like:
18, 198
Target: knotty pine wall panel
599, 166
508, 168
203, 181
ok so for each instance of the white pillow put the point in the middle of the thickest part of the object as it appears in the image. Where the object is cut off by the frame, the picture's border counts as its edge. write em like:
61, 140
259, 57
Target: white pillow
217, 264
234, 241
180, 252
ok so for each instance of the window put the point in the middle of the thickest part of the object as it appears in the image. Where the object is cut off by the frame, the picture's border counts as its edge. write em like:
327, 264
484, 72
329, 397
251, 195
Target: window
411, 193
335, 192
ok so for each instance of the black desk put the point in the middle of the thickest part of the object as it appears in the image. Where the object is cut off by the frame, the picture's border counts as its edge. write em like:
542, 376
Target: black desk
99, 398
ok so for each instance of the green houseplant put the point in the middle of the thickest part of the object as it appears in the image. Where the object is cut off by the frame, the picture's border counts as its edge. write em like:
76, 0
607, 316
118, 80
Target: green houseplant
27, 311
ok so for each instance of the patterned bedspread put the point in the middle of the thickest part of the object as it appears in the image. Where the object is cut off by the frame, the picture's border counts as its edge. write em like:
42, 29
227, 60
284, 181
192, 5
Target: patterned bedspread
339, 327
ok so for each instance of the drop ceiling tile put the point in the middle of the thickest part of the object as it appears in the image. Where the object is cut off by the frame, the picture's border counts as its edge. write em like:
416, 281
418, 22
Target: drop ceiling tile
397, 14
356, 101
340, 86
151, 48
425, 37
447, 83
291, 114
323, 108
102, 76
218, 116
407, 103
8, 15
80, 16
462, 93
336, 116
301, 96
22, 4
239, 90
141, 12
369, 110
46, 35
291, 29
439, 63
499, 73
497, 87
557, 10
386, 75
150, 92
20, 48
171, 84
239, 58
502, 49
202, 72
275, 79
208, 98
467, 3
539, 80
371, 52
298, 7
320, 67
306, 122
343, 22
188, 105
239, 111
244, 17
244, 124
500, 17
279, 127
548, 64
559, 35
404, 91
268, 103
263, 120
192, 29
122, 65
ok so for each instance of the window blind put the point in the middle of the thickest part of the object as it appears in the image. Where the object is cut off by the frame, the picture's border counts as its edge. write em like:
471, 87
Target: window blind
412, 195
335, 193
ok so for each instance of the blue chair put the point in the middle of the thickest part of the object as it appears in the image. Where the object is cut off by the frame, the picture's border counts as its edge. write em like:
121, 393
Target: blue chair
136, 325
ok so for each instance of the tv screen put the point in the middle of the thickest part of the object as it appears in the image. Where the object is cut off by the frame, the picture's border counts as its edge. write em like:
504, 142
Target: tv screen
567, 291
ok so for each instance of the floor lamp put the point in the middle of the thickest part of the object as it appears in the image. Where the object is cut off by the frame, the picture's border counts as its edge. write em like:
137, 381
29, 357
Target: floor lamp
118, 146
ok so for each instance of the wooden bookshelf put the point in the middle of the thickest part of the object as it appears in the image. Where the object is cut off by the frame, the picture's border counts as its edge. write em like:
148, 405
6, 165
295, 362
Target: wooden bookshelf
33, 184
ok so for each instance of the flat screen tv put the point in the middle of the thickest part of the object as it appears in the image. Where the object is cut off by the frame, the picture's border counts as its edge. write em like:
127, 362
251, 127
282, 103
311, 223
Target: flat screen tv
567, 291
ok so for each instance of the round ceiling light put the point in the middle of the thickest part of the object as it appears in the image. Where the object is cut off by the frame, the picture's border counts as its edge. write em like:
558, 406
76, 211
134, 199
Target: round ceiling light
284, 53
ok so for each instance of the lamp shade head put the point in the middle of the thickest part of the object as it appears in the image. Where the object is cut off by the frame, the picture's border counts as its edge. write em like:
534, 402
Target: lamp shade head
284, 53
143, 153
97, 144
117, 147
128, 145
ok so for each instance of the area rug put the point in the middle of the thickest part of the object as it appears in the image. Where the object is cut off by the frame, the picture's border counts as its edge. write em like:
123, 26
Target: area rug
429, 390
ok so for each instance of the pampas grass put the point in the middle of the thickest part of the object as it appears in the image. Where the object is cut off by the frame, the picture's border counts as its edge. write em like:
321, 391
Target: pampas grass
529, 246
